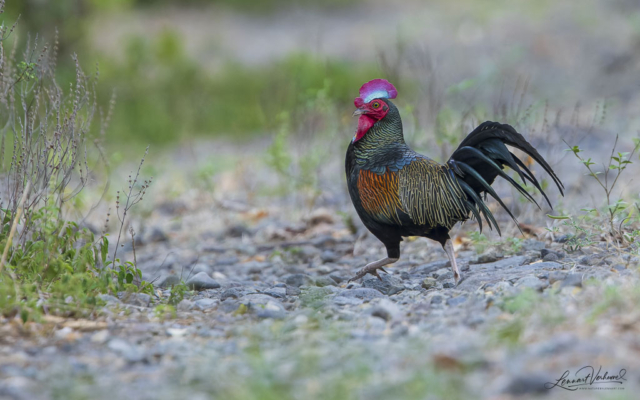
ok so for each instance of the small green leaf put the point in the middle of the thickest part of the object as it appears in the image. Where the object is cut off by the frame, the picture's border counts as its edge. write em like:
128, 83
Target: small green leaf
558, 216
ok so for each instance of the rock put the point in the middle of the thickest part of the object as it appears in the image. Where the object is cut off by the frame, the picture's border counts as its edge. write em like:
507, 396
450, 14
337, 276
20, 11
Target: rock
218, 276
272, 309
436, 299
454, 301
100, 337
205, 304
297, 280
225, 261
572, 280
185, 305
277, 292
347, 301
292, 291
555, 276
110, 300
329, 256
445, 276
448, 285
234, 293
229, 305
127, 351
366, 294
489, 257
337, 278
389, 285
201, 281
428, 283
532, 244
325, 281
532, 282
550, 257
426, 269
156, 236
528, 384
136, 299
387, 310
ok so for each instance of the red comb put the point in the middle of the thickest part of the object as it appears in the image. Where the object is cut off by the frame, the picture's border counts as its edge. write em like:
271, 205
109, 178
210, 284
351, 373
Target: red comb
377, 89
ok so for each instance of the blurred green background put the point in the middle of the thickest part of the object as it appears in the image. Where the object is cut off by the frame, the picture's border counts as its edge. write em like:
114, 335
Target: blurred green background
234, 69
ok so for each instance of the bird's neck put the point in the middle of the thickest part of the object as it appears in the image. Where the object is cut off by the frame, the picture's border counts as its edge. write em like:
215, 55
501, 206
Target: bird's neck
382, 143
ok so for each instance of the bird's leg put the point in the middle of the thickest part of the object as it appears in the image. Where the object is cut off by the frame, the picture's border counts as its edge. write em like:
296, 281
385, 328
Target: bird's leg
448, 248
372, 268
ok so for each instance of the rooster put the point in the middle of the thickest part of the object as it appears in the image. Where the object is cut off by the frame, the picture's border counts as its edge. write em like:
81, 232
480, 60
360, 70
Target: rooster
398, 192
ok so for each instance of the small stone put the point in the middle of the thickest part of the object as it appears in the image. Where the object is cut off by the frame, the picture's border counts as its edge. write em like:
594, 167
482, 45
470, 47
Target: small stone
157, 235
555, 276
292, 291
550, 257
272, 309
230, 293
572, 280
298, 280
365, 294
386, 309
437, 299
389, 285
337, 278
454, 301
177, 332
218, 276
329, 256
136, 299
107, 298
532, 244
185, 305
428, 283
532, 282
100, 336
202, 281
229, 305
129, 352
447, 275
277, 292
325, 281
488, 257
448, 285
205, 304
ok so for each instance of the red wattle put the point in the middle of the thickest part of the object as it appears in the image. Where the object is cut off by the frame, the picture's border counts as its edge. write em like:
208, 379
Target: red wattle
364, 124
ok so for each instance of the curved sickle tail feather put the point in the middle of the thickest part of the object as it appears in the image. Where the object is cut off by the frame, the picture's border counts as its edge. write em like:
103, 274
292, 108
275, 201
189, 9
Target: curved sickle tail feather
482, 156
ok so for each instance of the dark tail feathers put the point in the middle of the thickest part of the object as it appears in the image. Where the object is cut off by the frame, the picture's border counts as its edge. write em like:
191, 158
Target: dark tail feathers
482, 156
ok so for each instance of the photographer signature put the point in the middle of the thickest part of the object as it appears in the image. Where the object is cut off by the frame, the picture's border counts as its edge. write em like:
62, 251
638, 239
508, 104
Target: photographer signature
586, 377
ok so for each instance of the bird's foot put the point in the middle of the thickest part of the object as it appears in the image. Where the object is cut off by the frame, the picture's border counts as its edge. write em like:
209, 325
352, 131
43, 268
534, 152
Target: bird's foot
373, 270
457, 277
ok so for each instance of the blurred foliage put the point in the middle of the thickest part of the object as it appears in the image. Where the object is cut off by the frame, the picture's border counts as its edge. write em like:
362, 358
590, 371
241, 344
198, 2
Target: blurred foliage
164, 95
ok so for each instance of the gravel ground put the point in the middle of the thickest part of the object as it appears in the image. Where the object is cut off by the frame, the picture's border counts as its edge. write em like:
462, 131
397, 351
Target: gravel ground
274, 317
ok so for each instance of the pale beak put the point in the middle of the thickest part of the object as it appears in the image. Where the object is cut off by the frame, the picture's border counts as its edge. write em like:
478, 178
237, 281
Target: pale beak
359, 111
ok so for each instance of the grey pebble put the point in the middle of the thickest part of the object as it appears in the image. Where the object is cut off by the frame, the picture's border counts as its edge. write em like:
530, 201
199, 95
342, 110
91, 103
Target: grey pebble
201, 281
298, 280
205, 304
136, 299
107, 298
366, 294
454, 301
185, 305
428, 283
572, 280
388, 285
532, 282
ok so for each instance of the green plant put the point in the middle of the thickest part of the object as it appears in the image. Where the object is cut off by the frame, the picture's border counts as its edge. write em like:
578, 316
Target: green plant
617, 162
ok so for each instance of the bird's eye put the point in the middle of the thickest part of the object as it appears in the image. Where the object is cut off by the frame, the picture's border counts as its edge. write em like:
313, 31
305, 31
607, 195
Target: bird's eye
376, 105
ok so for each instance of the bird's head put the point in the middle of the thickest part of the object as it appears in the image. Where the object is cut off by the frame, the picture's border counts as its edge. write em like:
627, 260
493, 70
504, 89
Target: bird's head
372, 104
